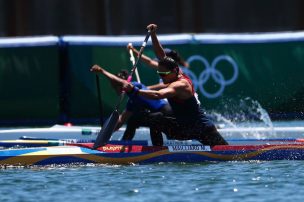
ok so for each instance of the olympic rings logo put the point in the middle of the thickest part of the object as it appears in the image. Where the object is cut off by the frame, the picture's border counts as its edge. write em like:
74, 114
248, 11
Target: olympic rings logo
210, 71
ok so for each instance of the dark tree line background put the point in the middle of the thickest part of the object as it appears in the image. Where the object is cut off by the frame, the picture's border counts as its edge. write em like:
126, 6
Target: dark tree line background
117, 17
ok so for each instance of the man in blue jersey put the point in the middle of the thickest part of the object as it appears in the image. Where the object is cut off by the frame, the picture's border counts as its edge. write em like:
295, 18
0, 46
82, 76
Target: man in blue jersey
138, 109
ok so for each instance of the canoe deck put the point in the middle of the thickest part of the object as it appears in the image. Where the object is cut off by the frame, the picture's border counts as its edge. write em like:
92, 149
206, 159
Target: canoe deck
38, 142
127, 154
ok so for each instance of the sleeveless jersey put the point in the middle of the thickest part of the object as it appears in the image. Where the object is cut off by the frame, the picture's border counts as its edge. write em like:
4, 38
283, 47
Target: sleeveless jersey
188, 112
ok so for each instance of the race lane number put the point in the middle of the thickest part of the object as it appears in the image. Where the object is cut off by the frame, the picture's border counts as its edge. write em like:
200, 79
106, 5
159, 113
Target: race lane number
188, 148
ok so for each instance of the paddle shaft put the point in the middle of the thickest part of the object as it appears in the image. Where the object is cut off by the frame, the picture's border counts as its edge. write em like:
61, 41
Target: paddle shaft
139, 55
132, 59
122, 95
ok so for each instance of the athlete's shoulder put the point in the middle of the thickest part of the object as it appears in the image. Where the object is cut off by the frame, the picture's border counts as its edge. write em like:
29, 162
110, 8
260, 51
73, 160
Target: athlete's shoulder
181, 83
183, 88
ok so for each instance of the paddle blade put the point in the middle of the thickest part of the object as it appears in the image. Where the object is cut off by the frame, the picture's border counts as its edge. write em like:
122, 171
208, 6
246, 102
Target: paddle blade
106, 131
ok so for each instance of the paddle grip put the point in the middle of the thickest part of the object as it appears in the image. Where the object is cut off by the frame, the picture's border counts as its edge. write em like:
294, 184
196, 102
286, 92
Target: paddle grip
129, 78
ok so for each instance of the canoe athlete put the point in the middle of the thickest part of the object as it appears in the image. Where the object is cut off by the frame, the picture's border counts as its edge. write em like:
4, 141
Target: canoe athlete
189, 120
137, 107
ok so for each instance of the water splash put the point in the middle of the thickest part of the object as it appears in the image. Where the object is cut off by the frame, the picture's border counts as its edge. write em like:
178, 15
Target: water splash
222, 119
264, 116
243, 113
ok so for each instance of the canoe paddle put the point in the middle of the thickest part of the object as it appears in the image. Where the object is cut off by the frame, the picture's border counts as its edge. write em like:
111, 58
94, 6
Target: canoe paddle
132, 59
109, 126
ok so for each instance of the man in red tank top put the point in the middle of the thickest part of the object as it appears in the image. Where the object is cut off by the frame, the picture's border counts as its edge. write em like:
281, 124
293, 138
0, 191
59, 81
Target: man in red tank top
188, 120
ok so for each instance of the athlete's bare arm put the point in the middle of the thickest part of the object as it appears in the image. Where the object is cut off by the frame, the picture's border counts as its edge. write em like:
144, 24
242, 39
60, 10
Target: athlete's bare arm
110, 76
147, 60
158, 86
158, 49
179, 89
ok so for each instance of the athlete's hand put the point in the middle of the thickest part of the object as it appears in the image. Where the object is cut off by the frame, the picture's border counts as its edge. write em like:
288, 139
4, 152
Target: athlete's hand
127, 87
152, 28
130, 46
96, 68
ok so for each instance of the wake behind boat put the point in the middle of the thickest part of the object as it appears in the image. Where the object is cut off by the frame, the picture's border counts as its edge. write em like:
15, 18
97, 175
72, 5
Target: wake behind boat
54, 132
89, 132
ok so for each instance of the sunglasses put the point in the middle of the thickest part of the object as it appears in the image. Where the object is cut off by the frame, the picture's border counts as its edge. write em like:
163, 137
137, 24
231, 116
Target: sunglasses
163, 73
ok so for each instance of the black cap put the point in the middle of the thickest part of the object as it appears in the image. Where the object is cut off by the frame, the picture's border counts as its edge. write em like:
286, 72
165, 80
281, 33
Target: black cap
168, 62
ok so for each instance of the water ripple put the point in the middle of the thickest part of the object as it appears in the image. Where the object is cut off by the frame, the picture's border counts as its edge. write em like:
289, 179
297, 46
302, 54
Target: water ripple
230, 181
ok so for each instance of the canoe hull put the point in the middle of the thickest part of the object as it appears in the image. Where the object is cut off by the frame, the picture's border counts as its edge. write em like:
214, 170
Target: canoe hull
121, 154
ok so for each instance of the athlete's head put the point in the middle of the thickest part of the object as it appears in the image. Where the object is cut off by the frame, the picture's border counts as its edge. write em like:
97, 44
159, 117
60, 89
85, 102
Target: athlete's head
175, 56
167, 68
123, 74
168, 63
